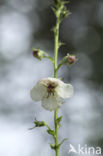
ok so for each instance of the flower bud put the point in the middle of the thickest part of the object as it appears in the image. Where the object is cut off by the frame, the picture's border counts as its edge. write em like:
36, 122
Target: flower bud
71, 59
38, 53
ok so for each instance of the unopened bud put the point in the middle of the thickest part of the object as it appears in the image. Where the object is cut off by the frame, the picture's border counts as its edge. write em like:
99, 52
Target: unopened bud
71, 59
38, 53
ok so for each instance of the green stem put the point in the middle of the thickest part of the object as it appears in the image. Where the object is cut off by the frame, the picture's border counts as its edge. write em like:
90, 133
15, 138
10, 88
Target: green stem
61, 63
56, 36
56, 33
56, 132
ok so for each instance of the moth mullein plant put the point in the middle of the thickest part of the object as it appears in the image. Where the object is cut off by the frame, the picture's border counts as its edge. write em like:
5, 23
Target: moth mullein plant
51, 90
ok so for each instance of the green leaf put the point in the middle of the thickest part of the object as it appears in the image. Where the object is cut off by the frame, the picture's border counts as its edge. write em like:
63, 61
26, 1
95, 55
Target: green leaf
53, 146
53, 29
54, 10
51, 132
39, 123
65, 139
65, 2
61, 43
59, 119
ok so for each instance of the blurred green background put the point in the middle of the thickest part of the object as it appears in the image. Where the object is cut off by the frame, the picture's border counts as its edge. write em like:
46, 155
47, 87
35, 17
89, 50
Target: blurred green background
25, 24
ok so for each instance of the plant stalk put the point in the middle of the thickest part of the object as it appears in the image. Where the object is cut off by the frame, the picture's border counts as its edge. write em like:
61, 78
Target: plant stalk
56, 36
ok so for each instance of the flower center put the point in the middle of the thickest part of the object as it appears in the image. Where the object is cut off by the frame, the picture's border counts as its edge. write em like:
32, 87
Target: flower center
51, 88
35, 53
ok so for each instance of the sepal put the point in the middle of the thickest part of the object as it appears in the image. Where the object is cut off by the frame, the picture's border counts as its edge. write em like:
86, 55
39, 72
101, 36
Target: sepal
37, 53
71, 59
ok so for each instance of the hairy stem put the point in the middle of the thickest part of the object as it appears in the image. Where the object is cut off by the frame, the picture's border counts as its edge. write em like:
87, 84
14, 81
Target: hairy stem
56, 36
56, 132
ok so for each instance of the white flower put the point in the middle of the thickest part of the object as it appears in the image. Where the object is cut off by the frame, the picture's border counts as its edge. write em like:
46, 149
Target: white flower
51, 91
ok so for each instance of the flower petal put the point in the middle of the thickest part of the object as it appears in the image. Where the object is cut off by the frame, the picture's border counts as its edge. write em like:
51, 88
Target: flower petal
64, 90
51, 103
38, 92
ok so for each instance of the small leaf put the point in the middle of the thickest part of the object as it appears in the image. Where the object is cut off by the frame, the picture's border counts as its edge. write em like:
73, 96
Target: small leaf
65, 13
61, 43
53, 146
53, 29
51, 132
59, 125
39, 123
65, 139
59, 119
65, 2
54, 10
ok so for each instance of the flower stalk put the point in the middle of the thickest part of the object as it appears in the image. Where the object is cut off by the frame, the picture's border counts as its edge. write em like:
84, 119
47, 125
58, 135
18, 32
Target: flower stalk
56, 132
56, 36
56, 44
